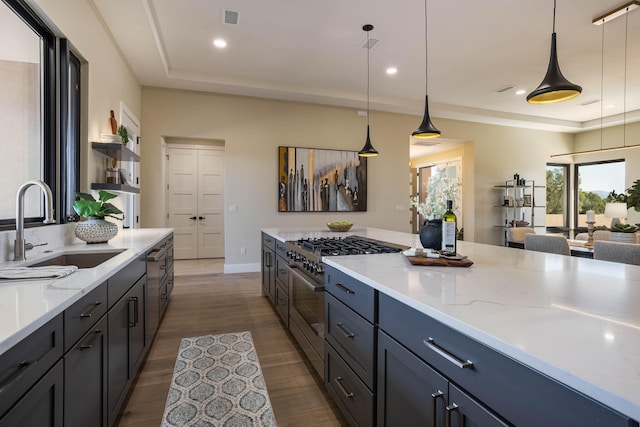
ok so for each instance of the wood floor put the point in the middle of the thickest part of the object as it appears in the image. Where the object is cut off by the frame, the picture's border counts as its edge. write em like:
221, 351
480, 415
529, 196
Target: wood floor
219, 303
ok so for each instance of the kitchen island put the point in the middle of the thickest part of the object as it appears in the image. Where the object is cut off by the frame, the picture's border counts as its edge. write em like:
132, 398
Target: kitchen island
574, 320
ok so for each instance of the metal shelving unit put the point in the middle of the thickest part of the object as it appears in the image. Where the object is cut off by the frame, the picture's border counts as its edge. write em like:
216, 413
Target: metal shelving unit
518, 204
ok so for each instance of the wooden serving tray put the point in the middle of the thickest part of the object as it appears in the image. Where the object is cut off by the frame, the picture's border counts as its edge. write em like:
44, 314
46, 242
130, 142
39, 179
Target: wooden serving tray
442, 262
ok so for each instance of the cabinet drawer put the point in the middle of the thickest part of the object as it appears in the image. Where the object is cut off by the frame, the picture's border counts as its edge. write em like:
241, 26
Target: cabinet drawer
281, 249
282, 273
83, 314
356, 295
520, 394
24, 364
121, 282
352, 337
282, 304
268, 241
352, 395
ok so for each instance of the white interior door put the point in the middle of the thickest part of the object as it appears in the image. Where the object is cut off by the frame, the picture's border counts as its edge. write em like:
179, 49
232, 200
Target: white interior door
210, 204
196, 201
182, 181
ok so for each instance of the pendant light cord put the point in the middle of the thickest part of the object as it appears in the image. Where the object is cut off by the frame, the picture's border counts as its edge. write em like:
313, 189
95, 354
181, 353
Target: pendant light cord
426, 51
602, 83
368, 51
624, 98
554, 16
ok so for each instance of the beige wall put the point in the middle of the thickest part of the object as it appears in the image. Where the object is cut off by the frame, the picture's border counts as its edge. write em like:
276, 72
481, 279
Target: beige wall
109, 78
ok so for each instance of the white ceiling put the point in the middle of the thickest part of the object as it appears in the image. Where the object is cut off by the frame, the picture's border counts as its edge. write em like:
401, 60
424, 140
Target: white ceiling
312, 51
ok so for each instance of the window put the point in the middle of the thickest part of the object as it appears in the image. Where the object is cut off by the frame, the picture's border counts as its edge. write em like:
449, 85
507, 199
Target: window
557, 201
33, 62
594, 183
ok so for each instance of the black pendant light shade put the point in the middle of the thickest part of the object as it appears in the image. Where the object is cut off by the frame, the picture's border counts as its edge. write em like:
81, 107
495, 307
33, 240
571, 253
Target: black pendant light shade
554, 87
426, 129
368, 150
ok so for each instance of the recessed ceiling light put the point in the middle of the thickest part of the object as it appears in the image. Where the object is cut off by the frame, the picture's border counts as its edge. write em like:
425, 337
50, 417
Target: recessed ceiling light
521, 92
221, 43
392, 70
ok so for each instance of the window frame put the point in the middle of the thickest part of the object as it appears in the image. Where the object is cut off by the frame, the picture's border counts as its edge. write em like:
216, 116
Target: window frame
576, 185
56, 120
567, 192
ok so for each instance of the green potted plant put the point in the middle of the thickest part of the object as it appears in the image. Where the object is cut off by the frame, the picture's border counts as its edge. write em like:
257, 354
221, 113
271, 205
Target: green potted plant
124, 134
440, 188
96, 229
625, 233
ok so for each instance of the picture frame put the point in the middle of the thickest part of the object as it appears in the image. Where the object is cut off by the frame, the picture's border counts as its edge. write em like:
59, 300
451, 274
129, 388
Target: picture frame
321, 180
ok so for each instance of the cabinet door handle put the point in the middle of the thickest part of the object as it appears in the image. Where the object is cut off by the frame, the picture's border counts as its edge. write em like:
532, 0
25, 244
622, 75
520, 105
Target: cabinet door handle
431, 344
344, 288
23, 368
96, 335
450, 409
93, 310
344, 391
344, 331
133, 300
434, 402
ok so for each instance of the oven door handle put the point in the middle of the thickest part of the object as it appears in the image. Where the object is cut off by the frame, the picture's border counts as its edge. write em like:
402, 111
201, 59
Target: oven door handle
307, 282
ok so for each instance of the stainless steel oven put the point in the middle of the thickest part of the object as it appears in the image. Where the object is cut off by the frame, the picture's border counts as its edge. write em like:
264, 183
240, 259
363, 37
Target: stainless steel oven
306, 294
306, 314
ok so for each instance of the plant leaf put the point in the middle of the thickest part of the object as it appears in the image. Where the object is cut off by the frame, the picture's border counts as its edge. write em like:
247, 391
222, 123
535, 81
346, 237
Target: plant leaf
105, 195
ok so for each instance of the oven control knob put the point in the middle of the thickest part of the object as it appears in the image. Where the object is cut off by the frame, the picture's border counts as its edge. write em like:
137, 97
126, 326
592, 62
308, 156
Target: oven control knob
319, 269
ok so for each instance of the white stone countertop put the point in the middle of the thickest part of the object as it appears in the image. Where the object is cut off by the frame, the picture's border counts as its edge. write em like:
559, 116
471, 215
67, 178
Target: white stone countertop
26, 305
576, 320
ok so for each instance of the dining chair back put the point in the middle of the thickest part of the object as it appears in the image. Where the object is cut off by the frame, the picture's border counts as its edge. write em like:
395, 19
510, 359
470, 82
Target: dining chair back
547, 243
627, 253
515, 236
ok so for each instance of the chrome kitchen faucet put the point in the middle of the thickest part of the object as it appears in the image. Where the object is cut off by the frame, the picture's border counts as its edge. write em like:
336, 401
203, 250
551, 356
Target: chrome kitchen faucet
19, 246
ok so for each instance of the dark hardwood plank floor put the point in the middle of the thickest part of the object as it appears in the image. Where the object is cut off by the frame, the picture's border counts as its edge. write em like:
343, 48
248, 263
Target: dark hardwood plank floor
219, 303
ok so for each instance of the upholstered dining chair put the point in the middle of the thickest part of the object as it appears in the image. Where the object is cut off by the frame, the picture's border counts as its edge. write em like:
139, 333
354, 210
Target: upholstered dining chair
597, 235
547, 243
515, 236
627, 253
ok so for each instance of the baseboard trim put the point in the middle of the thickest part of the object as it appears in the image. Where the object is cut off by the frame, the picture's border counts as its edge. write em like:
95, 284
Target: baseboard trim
241, 268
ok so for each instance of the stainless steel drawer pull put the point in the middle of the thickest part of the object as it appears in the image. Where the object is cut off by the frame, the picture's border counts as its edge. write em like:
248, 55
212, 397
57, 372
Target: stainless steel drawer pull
344, 288
344, 391
344, 331
450, 409
89, 345
431, 344
88, 315
434, 401
23, 367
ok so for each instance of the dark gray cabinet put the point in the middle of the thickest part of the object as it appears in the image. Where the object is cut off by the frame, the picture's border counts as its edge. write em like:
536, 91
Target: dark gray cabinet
126, 345
350, 353
282, 278
42, 405
412, 394
511, 393
269, 267
85, 379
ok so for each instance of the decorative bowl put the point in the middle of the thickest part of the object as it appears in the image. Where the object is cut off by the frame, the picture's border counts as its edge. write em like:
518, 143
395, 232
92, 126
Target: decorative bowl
339, 226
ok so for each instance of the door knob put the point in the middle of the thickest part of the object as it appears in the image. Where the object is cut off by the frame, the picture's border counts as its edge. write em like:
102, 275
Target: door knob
193, 217
200, 217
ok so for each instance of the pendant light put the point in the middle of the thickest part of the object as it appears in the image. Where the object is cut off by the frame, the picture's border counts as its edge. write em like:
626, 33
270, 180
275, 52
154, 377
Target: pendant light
368, 150
554, 87
426, 129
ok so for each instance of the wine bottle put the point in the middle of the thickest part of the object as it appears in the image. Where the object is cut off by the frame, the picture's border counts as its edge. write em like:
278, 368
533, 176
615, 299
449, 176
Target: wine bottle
449, 223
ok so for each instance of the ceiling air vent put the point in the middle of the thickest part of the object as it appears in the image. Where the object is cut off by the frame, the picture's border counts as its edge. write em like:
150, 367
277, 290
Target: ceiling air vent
371, 43
230, 17
504, 89
591, 101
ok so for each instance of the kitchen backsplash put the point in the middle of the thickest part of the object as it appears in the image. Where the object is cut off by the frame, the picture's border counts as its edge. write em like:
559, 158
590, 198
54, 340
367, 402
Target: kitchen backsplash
54, 235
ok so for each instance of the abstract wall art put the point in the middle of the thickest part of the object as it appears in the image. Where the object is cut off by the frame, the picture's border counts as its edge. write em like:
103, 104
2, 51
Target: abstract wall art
320, 180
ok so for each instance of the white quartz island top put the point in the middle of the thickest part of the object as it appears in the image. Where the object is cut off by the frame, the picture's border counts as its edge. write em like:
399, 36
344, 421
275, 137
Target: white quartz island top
574, 319
26, 305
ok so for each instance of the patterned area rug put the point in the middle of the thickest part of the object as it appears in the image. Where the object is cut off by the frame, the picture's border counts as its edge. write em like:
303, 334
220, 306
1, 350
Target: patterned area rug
217, 381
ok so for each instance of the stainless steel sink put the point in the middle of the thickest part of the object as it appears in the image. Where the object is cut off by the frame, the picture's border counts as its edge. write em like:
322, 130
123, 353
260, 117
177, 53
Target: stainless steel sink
79, 259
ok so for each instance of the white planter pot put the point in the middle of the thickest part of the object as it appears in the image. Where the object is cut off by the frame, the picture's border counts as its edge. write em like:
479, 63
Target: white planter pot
95, 230
622, 237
